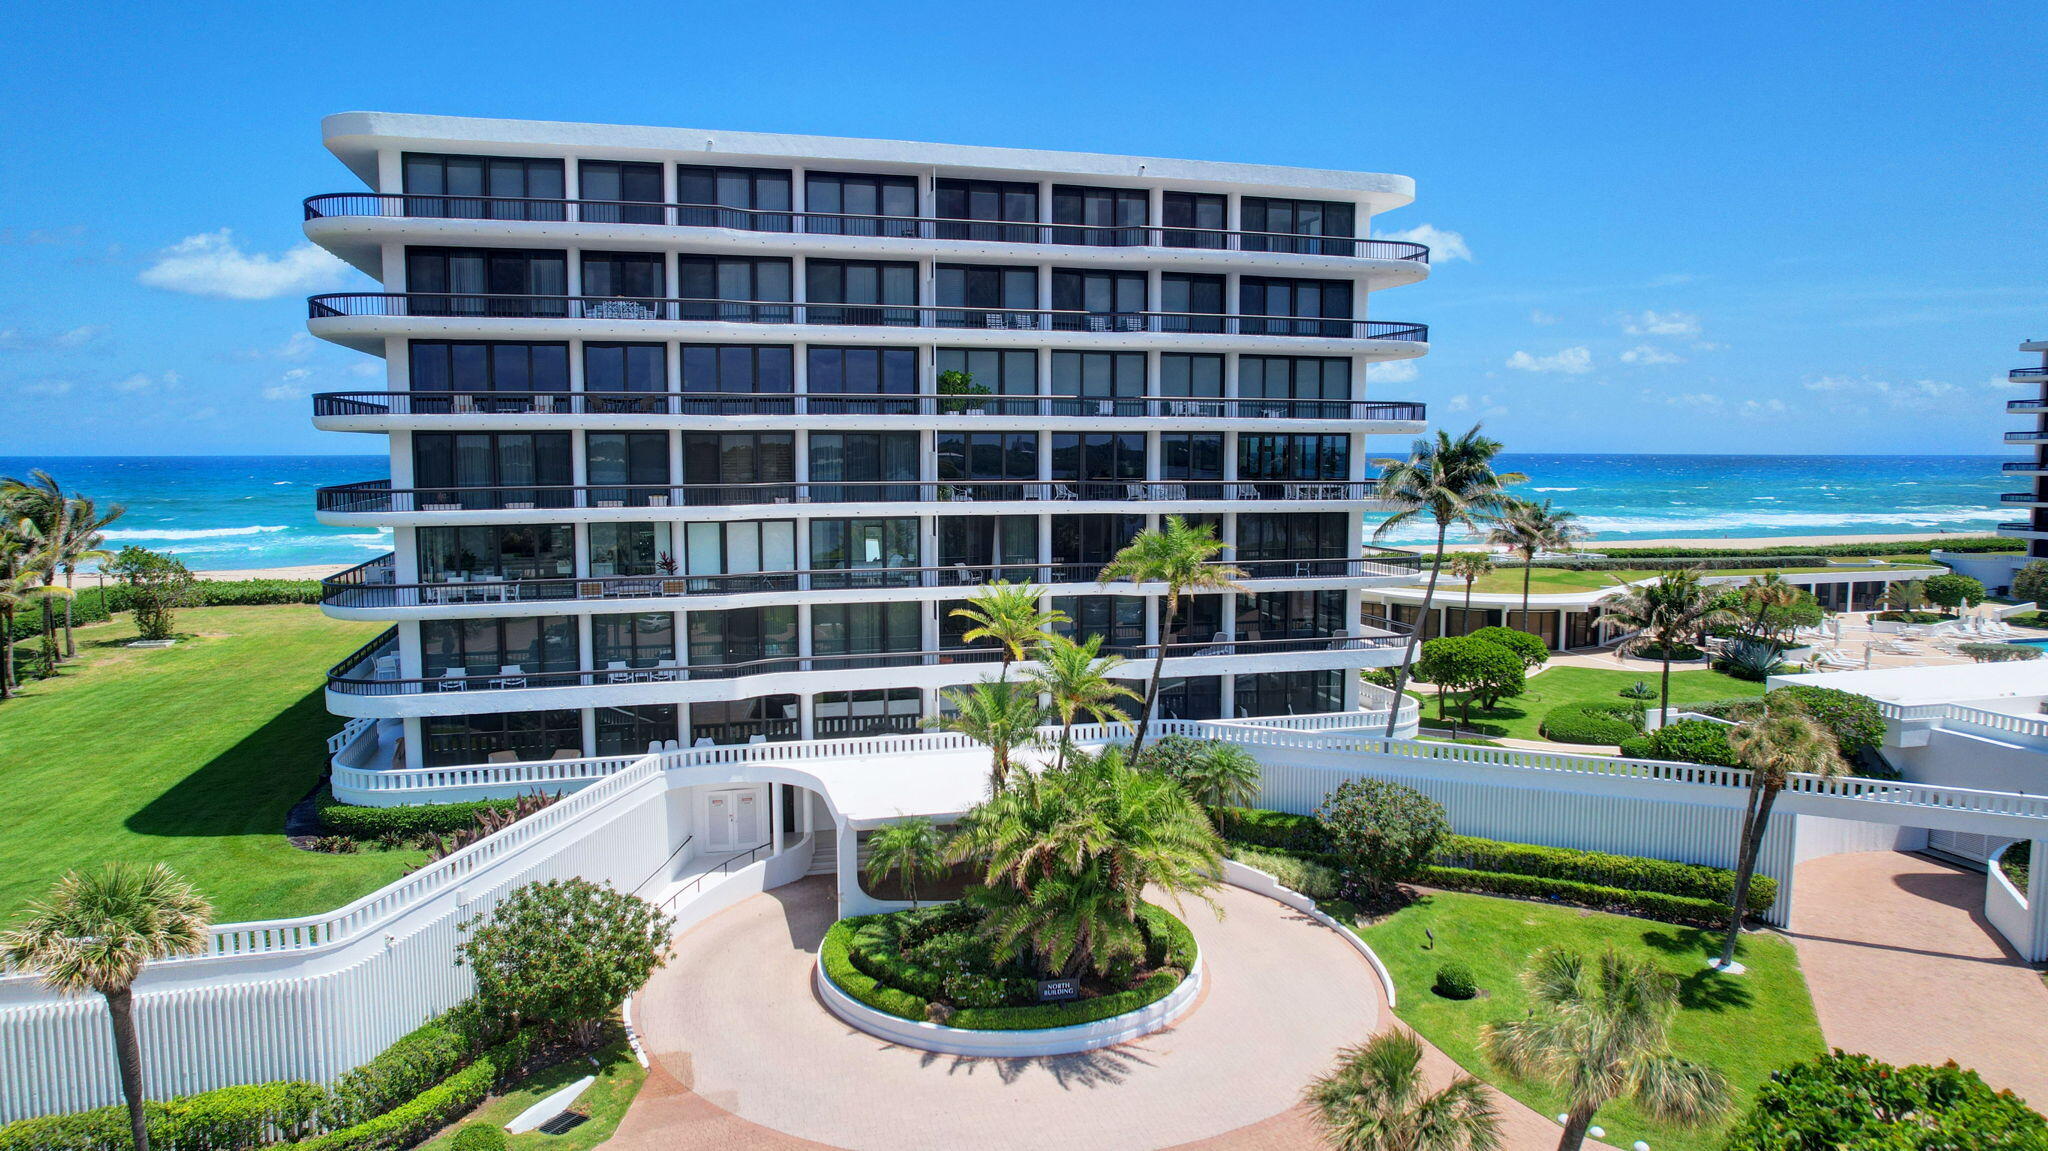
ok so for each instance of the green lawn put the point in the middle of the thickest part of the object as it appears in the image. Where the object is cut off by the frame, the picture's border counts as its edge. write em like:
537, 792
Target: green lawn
190, 755
619, 1077
1553, 581
1744, 1025
1519, 718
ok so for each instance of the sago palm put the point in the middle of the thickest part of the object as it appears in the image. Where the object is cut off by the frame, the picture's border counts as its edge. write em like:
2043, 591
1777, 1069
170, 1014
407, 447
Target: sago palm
1224, 775
1375, 1099
1598, 1031
1526, 528
1775, 741
1672, 610
911, 848
1010, 614
1470, 567
1076, 677
999, 713
1452, 483
94, 931
1181, 556
82, 543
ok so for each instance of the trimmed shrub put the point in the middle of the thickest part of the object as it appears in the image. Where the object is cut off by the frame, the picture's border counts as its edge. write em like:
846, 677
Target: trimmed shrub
1600, 869
425, 1056
1639, 690
1686, 741
480, 1137
374, 823
248, 1116
1856, 1103
434, 1108
1999, 652
1953, 591
1680, 652
1530, 649
1970, 544
1648, 904
1454, 981
1854, 719
1262, 828
1381, 831
835, 954
1593, 722
1295, 873
1911, 616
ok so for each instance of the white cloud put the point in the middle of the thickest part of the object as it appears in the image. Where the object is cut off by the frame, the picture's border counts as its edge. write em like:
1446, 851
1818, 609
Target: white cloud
1393, 372
1458, 403
297, 346
1703, 401
1763, 409
1904, 394
1444, 246
298, 373
1652, 323
16, 340
144, 382
367, 368
283, 392
212, 264
1573, 361
48, 387
1539, 316
1645, 354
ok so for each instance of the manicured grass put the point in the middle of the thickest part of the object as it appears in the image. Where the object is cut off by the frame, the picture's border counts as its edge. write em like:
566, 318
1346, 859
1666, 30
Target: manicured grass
1552, 581
1519, 718
619, 1077
1744, 1025
190, 755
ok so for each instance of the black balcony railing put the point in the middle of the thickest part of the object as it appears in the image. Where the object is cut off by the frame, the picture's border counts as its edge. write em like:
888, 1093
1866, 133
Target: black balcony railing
912, 404
2035, 436
2023, 466
523, 209
2021, 498
444, 305
2033, 405
2017, 526
2037, 372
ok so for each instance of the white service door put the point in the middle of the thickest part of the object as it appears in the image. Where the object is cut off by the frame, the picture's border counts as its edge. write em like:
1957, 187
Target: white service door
733, 820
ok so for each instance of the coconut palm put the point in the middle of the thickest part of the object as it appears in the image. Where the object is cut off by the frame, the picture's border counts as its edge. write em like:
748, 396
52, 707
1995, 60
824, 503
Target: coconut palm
1180, 555
1774, 740
17, 590
40, 505
1009, 613
911, 848
1451, 481
1470, 567
1076, 676
94, 931
999, 713
1224, 775
1526, 528
1375, 1099
1672, 610
82, 543
1766, 600
1599, 1032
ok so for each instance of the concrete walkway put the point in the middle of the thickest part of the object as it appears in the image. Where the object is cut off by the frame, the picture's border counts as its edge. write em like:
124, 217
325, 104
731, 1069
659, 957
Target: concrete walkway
1903, 966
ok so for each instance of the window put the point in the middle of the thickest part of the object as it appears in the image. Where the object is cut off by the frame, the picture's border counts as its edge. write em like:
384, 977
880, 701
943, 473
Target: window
633, 730
1092, 539
637, 275
891, 633
1192, 376
1199, 621
1199, 297
503, 551
1116, 300
993, 371
1113, 217
630, 549
1308, 457
1290, 693
722, 288
850, 204
624, 466
987, 289
639, 639
740, 720
455, 740
465, 282
482, 366
996, 465
618, 368
743, 641
1102, 383
1090, 457
1196, 697
616, 192
1118, 619
741, 547
756, 199
960, 201
491, 470
1298, 301
1290, 615
854, 714
734, 458
726, 375
1193, 456
487, 647
452, 186
1296, 225
1295, 536
859, 553
864, 373
888, 291
1299, 380
870, 463
1194, 220
972, 547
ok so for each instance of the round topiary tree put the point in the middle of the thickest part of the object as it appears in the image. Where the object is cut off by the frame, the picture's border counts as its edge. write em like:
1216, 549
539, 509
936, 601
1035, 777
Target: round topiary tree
1484, 671
1685, 741
563, 955
1454, 981
1530, 649
1382, 833
1953, 591
2031, 581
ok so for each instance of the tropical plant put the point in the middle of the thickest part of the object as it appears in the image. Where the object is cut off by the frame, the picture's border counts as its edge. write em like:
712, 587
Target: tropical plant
2029, 582
1481, 670
1452, 482
1755, 660
1670, 610
1687, 741
1223, 775
1076, 677
1845, 1102
999, 713
156, 584
1854, 720
1998, 652
1772, 610
1527, 646
1952, 591
1526, 528
81, 543
1010, 614
19, 588
1775, 739
1181, 556
39, 505
1598, 1032
1471, 567
1381, 832
563, 954
94, 931
1376, 1099
911, 848
1908, 594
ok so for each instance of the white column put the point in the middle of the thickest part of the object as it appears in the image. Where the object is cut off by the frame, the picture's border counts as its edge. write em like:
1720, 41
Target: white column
2037, 902
390, 170
415, 742
590, 731
850, 894
775, 818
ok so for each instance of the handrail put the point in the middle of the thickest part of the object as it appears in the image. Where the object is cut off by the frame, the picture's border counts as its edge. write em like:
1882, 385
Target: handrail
2018, 526
2031, 726
2023, 466
2037, 372
387, 403
724, 868
331, 205
2035, 435
2022, 498
454, 305
664, 864
2029, 405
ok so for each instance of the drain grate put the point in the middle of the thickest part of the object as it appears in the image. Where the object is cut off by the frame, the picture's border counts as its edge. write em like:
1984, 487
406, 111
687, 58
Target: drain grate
563, 1123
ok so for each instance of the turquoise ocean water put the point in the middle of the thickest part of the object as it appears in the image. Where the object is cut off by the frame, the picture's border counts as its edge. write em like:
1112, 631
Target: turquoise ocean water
257, 511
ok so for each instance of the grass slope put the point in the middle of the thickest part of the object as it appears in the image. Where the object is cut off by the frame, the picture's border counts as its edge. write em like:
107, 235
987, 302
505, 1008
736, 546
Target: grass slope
190, 755
1746, 1026
1555, 581
619, 1077
1519, 718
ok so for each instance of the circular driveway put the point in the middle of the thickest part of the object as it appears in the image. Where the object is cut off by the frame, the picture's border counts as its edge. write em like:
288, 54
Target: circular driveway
733, 1018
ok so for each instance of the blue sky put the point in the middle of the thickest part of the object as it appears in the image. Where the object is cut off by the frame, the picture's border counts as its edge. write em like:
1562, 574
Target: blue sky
1797, 228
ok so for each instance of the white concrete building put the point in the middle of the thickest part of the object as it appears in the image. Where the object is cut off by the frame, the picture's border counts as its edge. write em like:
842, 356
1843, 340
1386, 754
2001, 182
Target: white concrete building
1996, 571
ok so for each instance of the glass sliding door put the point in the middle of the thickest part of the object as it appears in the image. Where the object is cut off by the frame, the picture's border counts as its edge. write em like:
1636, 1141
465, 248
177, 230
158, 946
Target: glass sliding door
987, 296
753, 199
1102, 217
868, 464
616, 192
865, 553
1195, 220
988, 372
627, 469
1098, 383
858, 381
860, 204
1281, 307
860, 292
486, 282
743, 641
483, 187
738, 379
989, 210
737, 289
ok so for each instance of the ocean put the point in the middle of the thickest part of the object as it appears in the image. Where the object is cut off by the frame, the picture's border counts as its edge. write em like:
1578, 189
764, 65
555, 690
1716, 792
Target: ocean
234, 512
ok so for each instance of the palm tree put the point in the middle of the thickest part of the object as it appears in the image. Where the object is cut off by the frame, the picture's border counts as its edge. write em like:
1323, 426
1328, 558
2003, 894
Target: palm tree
1452, 482
1905, 594
1224, 775
999, 713
1472, 567
1374, 1099
1008, 613
912, 848
81, 543
1526, 528
1665, 613
1775, 741
1077, 679
94, 931
39, 502
1762, 596
1601, 1034
1179, 555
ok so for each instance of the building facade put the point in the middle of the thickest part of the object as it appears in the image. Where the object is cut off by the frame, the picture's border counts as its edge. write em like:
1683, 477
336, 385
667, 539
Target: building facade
698, 438
2033, 404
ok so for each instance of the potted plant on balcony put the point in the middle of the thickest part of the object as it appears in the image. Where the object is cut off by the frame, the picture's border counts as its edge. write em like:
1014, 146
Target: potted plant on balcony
958, 383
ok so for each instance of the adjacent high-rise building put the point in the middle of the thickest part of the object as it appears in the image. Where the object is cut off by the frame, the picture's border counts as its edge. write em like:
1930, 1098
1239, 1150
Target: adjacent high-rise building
2032, 380
701, 436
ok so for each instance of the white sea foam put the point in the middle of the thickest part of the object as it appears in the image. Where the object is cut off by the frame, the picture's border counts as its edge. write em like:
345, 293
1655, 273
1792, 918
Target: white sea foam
188, 534
1553, 489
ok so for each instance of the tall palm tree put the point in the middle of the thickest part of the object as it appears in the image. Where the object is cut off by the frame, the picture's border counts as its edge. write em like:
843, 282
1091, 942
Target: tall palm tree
1009, 613
1471, 567
82, 543
94, 931
1600, 1033
912, 848
1179, 555
1774, 740
1762, 596
1526, 528
39, 501
1451, 481
1077, 679
999, 713
1375, 1099
1672, 610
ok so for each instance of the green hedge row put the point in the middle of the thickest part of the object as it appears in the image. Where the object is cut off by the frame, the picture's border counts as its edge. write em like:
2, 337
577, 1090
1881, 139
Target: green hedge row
432, 1109
1593, 722
88, 606
1599, 868
228, 1118
370, 823
1828, 551
835, 954
1648, 904
93, 604
1262, 828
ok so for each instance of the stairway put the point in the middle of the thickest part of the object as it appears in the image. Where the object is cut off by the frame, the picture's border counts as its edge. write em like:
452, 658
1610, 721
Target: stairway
825, 856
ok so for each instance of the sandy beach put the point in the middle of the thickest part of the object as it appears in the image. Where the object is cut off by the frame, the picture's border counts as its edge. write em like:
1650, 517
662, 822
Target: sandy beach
303, 571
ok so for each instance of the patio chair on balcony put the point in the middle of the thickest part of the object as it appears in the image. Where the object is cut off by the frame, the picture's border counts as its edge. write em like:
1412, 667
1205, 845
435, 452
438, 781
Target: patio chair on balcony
510, 675
616, 671
502, 757
454, 679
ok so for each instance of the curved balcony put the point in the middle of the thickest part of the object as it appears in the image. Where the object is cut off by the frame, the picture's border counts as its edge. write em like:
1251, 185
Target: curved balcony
2025, 467
2022, 498
2029, 407
358, 205
2031, 436
2035, 375
2021, 528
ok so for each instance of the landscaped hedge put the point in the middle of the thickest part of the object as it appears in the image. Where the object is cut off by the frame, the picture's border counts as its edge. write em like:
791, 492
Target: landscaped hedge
432, 1109
419, 1059
370, 823
1295, 871
1687, 741
1262, 828
95, 604
1593, 723
1648, 904
1828, 551
1598, 868
231, 1117
87, 606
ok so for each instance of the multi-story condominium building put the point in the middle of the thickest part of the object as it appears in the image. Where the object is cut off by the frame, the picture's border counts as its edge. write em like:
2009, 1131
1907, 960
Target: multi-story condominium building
699, 437
2034, 405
